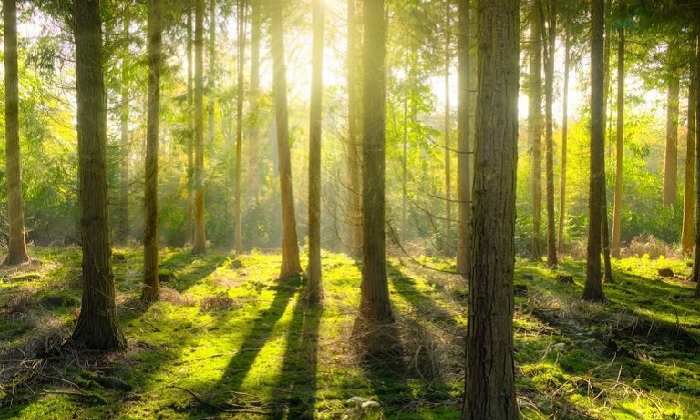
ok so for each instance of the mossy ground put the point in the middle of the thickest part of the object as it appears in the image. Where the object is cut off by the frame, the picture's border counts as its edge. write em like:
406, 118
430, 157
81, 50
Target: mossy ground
229, 340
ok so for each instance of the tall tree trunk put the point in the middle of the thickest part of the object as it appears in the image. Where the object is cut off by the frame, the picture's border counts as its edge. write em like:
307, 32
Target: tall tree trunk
96, 327
490, 378
593, 289
124, 146
695, 276
535, 125
605, 228
151, 286
550, 45
253, 143
619, 147
291, 267
313, 291
16, 249
689, 186
354, 147
199, 246
564, 140
671, 150
237, 209
464, 132
212, 73
375, 306
448, 174
190, 132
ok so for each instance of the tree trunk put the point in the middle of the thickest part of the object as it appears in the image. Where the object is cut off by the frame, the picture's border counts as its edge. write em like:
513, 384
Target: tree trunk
237, 209
464, 132
490, 378
619, 147
16, 247
549, 43
291, 266
253, 143
151, 286
199, 246
212, 73
695, 276
593, 289
313, 291
564, 140
354, 147
689, 186
190, 132
375, 306
535, 125
448, 174
671, 150
123, 223
97, 326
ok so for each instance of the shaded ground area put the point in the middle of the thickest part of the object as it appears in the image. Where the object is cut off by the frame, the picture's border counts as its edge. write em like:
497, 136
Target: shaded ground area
229, 340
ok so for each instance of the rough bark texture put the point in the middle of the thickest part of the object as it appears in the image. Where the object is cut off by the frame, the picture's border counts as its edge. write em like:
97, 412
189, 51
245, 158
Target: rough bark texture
535, 125
354, 147
124, 144
593, 289
199, 245
689, 184
671, 150
564, 140
619, 146
16, 247
151, 286
464, 132
549, 43
313, 290
490, 389
695, 276
97, 326
375, 306
291, 267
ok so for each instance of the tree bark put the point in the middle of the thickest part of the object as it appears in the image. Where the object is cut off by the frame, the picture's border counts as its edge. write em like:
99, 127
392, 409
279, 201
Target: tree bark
619, 146
190, 132
564, 140
448, 174
549, 43
689, 186
151, 285
375, 306
253, 151
695, 275
671, 150
593, 289
354, 147
313, 291
464, 133
291, 267
199, 246
16, 247
237, 209
535, 125
123, 223
96, 327
490, 378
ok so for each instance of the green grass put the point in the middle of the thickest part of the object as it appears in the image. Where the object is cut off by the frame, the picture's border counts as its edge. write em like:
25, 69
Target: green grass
229, 340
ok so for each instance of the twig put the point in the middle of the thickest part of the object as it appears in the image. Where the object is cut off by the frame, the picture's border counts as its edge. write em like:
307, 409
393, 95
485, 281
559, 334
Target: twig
229, 408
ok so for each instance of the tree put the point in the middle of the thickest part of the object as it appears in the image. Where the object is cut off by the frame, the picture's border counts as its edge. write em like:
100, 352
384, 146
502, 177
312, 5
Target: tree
313, 292
190, 133
16, 249
354, 147
593, 289
464, 132
671, 150
150, 290
124, 146
689, 186
375, 307
549, 38
291, 267
564, 139
199, 245
237, 214
448, 175
535, 123
619, 146
97, 326
490, 378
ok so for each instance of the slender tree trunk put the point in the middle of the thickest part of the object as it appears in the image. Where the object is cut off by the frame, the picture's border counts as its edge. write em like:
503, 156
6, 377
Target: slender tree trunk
695, 276
151, 286
16, 249
190, 132
96, 327
564, 140
291, 266
212, 73
375, 306
535, 124
254, 131
404, 164
313, 292
671, 151
619, 148
689, 190
237, 209
490, 378
593, 289
448, 177
549, 43
605, 226
354, 147
464, 131
123, 223
199, 245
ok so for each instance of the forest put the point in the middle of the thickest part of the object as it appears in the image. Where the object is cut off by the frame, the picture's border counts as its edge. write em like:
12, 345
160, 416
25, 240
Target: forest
350, 209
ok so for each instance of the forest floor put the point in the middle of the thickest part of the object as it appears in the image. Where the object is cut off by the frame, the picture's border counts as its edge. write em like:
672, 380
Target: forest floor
229, 340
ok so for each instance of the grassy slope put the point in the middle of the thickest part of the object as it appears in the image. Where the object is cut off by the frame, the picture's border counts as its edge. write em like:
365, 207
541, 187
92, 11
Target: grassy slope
230, 341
